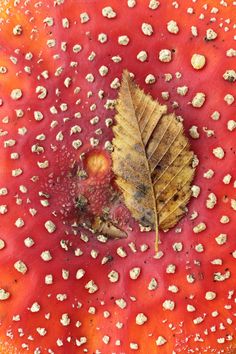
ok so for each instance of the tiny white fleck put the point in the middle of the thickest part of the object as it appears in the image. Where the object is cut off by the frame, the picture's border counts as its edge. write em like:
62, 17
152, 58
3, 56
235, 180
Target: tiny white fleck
80, 273
2, 244
50, 226
231, 53
198, 320
221, 239
210, 34
195, 191
141, 319
182, 90
227, 179
115, 84
208, 174
48, 279
218, 152
198, 100
38, 115
147, 29
160, 341
102, 37
173, 289
211, 200
3, 69
16, 94
150, 79
41, 331
65, 23
4, 295
142, 56
154, 4
103, 70
20, 266
229, 99
17, 30
91, 287
41, 91
121, 303
121, 252
178, 246
134, 273
49, 21
43, 164
231, 125
19, 223
170, 269
108, 12
193, 132
84, 17
172, 27
77, 48
165, 55
65, 319
230, 75
198, 61
3, 209
233, 204
131, 3
123, 40
29, 242
76, 144
133, 346
168, 305
116, 59
215, 115
210, 295
191, 308
46, 256
153, 284
35, 307
199, 228
106, 339
194, 31
224, 219
113, 276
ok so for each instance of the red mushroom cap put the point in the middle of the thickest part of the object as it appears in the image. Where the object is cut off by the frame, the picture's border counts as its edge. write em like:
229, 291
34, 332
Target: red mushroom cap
62, 288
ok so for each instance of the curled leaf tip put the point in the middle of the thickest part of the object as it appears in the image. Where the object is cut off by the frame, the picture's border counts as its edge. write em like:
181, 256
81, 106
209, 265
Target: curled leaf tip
108, 229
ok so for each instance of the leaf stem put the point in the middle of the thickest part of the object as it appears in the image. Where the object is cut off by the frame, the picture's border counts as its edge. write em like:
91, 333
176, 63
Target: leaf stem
156, 233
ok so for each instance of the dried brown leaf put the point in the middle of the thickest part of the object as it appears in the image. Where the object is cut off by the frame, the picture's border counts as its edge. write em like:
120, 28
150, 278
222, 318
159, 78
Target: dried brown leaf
107, 228
151, 158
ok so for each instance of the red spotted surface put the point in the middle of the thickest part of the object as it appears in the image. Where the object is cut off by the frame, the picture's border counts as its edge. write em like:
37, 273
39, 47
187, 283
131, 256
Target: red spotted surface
64, 289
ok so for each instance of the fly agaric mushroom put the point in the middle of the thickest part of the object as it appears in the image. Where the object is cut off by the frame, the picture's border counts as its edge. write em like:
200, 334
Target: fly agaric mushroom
62, 289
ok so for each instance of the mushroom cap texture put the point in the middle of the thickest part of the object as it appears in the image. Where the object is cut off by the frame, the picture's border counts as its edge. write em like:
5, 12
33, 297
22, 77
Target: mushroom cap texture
62, 289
